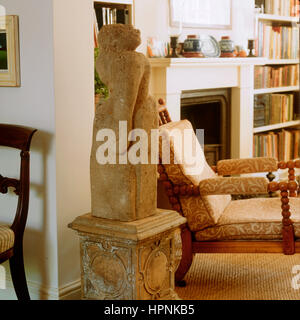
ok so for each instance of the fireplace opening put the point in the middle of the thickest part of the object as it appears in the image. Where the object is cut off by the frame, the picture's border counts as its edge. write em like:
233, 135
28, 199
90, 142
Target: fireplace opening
210, 110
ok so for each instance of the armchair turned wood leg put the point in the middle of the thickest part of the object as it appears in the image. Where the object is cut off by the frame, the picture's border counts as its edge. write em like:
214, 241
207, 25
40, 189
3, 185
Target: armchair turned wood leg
291, 166
16, 263
287, 224
187, 257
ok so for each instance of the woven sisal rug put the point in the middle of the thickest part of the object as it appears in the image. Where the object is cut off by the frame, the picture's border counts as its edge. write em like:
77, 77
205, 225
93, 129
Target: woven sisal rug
242, 277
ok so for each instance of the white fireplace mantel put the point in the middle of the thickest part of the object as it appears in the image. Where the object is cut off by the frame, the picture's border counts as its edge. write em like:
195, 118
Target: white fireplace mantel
172, 76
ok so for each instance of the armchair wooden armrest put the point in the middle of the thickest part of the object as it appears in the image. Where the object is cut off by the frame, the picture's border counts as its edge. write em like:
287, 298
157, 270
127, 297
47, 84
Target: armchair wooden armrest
233, 185
240, 166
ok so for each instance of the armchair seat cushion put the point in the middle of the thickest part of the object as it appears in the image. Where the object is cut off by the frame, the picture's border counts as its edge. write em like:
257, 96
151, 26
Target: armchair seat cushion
7, 238
252, 219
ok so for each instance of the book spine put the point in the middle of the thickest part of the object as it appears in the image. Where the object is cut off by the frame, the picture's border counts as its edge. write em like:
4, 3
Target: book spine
111, 17
115, 15
108, 16
267, 109
268, 6
104, 16
291, 107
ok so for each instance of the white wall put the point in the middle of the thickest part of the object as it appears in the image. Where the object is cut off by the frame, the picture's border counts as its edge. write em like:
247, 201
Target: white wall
152, 18
56, 97
33, 105
74, 102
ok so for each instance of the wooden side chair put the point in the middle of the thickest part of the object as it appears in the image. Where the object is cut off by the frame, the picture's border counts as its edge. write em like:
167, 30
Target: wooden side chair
216, 223
11, 238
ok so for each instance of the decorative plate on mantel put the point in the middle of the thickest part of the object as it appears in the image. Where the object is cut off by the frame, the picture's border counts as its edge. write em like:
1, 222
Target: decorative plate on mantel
209, 46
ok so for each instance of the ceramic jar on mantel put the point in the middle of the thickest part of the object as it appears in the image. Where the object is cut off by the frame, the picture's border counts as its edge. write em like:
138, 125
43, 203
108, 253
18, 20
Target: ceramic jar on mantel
192, 47
227, 47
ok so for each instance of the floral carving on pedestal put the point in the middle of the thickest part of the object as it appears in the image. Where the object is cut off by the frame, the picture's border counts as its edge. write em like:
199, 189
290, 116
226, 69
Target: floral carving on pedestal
106, 273
110, 273
156, 266
156, 270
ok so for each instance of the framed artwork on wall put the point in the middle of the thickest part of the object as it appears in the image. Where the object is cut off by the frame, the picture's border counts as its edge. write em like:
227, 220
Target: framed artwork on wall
9, 51
210, 14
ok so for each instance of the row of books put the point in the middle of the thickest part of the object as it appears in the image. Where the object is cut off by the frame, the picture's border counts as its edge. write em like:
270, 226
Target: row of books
282, 7
277, 42
283, 145
273, 108
270, 77
110, 16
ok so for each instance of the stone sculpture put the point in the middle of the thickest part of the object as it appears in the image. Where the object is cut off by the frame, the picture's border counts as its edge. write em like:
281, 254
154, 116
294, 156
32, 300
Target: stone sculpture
127, 245
124, 192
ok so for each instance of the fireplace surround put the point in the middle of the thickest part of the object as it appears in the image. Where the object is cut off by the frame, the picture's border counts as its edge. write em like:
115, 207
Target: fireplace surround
172, 76
209, 110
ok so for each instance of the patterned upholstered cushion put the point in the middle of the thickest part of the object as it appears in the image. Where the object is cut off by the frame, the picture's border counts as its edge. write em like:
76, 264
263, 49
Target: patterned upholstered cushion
239, 166
200, 212
234, 185
252, 219
7, 238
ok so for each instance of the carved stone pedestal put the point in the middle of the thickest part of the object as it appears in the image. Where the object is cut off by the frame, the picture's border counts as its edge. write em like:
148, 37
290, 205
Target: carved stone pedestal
128, 260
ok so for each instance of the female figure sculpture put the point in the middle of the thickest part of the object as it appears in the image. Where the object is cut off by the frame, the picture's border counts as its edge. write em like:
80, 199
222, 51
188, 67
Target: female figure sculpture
123, 191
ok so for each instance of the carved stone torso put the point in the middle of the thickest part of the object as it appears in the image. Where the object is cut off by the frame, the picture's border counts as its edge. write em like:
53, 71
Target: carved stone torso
123, 191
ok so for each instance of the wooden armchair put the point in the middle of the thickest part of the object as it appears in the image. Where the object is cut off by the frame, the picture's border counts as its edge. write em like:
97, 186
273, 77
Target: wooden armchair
217, 224
11, 238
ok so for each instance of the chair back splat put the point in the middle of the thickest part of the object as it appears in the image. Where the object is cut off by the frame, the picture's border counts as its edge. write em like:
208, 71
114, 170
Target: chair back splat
11, 238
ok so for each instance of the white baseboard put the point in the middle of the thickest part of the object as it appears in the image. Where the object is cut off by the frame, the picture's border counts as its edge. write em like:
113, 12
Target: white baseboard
71, 291
36, 291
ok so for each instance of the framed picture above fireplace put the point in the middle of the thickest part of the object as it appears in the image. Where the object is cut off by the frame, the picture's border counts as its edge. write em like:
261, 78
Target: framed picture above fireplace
212, 14
9, 52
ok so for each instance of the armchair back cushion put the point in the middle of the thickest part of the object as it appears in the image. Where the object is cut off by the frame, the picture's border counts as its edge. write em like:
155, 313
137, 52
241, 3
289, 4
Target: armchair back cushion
201, 212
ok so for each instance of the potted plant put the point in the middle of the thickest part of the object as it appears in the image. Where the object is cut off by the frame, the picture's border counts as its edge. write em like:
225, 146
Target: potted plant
101, 91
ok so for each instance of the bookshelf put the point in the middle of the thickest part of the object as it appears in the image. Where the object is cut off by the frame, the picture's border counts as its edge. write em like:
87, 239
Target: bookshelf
277, 18
113, 11
275, 90
277, 126
277, 81
278, 62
